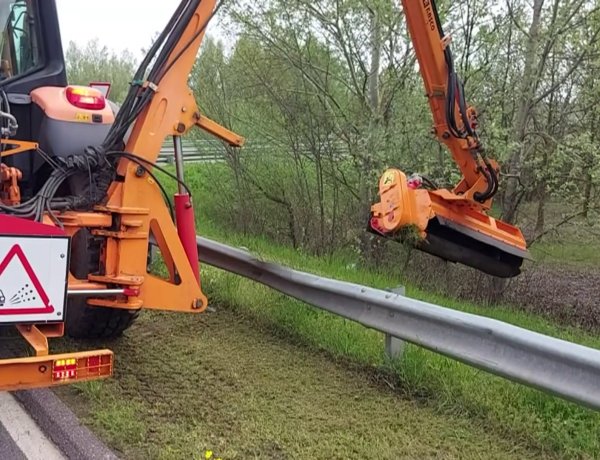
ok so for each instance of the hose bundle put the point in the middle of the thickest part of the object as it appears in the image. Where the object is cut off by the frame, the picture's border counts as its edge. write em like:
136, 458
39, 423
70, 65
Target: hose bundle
99, 163
456, 97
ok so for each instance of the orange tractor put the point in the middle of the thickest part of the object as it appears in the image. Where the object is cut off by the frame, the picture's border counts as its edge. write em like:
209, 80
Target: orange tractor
80, 200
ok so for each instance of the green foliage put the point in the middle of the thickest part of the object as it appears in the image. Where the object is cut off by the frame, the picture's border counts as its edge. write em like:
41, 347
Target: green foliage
328, 96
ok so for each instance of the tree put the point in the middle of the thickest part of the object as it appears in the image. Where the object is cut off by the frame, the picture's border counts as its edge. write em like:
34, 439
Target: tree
549, 25
328, 95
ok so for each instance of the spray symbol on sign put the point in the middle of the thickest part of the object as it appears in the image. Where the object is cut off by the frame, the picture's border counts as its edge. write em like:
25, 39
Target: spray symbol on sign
25, 294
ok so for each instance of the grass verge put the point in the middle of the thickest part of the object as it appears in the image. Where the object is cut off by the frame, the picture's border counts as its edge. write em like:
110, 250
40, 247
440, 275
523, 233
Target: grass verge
447, 386
270, 377
580, 254
223, 382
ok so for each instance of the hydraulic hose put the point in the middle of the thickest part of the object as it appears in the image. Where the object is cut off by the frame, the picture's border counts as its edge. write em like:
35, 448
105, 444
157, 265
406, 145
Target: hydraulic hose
492, 184
456, 97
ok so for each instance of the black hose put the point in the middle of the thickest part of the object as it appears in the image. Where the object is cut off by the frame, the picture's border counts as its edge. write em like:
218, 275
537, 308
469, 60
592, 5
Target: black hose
492, 184
139, 160
456, 97
455, 89
140, 94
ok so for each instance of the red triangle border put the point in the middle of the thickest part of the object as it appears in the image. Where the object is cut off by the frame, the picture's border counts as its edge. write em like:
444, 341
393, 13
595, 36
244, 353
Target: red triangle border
17, 251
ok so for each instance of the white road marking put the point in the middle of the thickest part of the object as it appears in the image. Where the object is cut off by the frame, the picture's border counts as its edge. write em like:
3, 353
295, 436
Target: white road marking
25, 432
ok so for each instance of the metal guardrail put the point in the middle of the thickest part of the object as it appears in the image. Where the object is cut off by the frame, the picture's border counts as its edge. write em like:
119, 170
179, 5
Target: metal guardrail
191, 158
192, 153
208, 151
556, 366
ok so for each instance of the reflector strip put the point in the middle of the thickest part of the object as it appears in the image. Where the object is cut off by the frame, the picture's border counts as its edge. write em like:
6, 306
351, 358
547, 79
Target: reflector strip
45, 371
64, 369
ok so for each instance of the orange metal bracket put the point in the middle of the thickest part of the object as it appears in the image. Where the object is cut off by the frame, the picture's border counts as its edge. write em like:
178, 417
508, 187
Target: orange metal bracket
10, 177
37, 371
21, 146
37, 335
218, 131
137, 200
35, 338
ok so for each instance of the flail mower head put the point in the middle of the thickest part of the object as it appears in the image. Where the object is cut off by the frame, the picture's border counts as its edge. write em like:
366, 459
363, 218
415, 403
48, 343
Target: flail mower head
446, 225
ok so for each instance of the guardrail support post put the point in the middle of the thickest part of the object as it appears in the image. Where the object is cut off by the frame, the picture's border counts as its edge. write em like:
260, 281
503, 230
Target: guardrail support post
394, 347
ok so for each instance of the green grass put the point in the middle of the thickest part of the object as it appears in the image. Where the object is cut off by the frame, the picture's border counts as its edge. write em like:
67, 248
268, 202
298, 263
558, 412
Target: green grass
270, 377
572, 253
446, 386
227, 382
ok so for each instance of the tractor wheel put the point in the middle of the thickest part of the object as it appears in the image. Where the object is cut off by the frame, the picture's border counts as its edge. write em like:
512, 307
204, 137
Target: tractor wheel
82, 320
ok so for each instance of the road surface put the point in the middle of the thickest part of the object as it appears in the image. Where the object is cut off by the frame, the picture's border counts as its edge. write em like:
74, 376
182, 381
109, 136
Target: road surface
20, 436
37, 425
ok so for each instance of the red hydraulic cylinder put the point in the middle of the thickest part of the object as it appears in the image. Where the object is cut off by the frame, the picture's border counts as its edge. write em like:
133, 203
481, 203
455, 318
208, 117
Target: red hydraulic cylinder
186, 228
184, 213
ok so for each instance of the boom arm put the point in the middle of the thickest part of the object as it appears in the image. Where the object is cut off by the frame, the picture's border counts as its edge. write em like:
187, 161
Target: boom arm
455, 124
451, 224
159, 105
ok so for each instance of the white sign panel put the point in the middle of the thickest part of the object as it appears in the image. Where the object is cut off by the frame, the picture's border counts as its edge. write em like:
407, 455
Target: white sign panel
33, 279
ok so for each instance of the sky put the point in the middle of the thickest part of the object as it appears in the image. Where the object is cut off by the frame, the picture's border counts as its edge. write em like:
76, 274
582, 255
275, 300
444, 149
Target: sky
112, 20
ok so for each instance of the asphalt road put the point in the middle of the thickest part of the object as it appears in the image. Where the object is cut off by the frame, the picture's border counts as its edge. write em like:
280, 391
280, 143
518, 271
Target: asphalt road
37, 425
20, 436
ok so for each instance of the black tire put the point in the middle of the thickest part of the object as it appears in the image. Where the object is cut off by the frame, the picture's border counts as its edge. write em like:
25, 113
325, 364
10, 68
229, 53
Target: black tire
82, 320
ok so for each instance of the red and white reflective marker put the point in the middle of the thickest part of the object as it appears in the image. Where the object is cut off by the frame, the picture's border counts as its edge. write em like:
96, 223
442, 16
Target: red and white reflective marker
33, 278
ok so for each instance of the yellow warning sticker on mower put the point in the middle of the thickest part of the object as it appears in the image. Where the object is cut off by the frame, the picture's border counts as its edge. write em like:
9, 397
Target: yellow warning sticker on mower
389, 178
86, 117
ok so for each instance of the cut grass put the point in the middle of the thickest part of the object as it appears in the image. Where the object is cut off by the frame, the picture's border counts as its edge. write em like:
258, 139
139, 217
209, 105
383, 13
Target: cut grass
223, 382
448, 386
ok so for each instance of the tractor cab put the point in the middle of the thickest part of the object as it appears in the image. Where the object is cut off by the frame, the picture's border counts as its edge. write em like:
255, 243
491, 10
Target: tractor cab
60, 120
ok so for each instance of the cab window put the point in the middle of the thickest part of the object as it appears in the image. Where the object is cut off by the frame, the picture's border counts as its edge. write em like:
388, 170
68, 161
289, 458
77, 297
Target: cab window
19, 45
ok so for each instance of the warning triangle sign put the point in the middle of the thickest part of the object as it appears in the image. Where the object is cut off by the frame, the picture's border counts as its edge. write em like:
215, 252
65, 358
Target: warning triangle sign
20, 289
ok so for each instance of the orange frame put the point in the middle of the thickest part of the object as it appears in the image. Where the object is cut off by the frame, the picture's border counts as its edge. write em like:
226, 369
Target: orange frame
137, 205
135, 211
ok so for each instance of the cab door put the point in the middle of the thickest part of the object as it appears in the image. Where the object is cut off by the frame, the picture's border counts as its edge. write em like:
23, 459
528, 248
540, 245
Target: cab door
31, 56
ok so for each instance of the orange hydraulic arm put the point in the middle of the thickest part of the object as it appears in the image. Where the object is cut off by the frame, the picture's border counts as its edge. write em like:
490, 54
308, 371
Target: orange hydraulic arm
451, 224
160, 105
455, 124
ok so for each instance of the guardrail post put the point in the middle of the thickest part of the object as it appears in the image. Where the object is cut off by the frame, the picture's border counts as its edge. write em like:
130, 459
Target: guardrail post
394, 347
